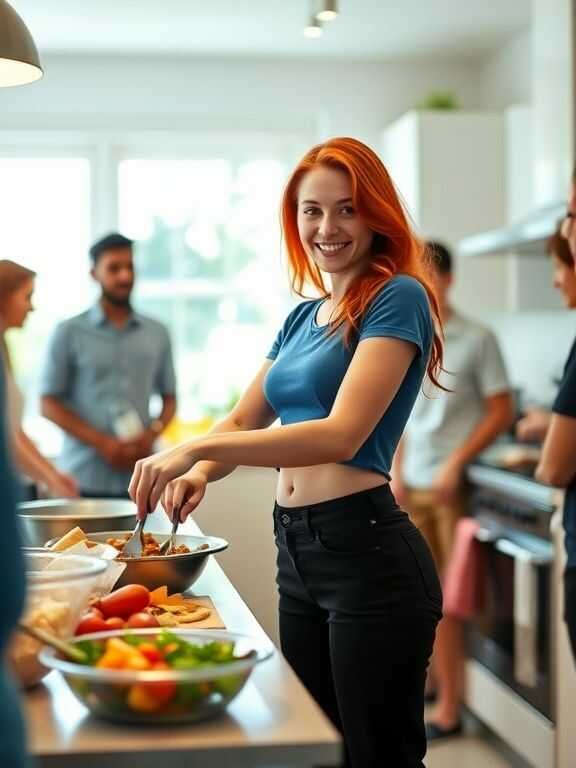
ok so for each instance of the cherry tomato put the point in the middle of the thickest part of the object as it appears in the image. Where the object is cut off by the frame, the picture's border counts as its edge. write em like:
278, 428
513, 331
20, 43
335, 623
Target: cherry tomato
114, 622
125, 601
141, 620
89, 623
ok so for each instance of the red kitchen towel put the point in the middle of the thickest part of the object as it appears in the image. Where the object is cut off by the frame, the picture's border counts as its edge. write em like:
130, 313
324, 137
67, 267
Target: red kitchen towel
465, 577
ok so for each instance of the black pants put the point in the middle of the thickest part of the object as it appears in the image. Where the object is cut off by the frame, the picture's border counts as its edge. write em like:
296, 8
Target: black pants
570, 606
359, 604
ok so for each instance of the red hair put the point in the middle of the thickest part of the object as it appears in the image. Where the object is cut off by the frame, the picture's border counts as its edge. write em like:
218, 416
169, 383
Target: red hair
395, 247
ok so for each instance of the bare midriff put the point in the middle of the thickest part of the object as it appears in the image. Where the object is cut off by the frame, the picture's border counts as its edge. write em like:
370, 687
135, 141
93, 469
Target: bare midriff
302, 486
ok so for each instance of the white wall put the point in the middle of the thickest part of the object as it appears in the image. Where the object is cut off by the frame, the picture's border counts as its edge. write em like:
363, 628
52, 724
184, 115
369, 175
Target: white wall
313, 99
504, 75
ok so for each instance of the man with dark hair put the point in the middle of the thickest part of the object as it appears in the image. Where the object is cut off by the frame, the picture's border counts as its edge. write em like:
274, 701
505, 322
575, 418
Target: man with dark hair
101, 369
445, 432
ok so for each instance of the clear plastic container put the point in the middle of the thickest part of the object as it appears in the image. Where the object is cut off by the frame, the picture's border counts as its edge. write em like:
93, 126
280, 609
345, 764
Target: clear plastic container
59, 587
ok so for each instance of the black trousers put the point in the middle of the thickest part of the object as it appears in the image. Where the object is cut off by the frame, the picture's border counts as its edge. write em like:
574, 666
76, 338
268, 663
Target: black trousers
570, 606
359, 603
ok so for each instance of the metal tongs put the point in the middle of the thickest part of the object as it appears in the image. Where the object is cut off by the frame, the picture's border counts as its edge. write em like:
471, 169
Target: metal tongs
167, 546
135, 544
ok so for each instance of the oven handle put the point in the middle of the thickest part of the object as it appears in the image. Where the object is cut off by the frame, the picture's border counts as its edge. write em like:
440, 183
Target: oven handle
508, 547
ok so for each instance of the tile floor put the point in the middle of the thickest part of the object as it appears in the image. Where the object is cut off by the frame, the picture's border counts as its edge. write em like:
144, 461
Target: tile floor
465, 752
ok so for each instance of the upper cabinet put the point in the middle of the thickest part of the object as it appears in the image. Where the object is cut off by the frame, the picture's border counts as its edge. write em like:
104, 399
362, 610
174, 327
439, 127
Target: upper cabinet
449, 170
463, 173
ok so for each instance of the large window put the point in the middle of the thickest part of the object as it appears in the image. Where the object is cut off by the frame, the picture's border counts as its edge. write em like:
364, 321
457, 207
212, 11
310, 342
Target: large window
209, 265
208, 256
45, 205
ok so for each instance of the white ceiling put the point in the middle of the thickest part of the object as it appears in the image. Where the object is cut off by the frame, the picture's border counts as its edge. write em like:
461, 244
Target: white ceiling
365, 29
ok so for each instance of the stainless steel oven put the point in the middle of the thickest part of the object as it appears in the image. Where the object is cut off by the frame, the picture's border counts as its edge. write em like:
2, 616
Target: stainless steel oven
513, 635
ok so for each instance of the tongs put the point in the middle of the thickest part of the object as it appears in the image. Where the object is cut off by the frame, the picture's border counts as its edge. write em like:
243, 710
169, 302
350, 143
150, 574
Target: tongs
135, 544
167, 546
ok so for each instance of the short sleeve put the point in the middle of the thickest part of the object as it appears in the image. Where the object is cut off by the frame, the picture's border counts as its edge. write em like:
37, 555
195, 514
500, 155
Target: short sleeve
491, 369
565, 403
400, 310
275, 348
57, 371
165, 376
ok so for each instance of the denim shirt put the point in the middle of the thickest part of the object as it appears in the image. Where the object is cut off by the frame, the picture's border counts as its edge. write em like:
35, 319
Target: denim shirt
97, 370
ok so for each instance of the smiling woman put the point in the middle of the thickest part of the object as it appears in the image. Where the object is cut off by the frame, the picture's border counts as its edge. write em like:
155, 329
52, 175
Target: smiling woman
342, 375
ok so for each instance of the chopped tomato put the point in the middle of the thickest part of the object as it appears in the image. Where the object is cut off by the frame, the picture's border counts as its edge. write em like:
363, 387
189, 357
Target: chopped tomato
114, 622
125, 601
150, 652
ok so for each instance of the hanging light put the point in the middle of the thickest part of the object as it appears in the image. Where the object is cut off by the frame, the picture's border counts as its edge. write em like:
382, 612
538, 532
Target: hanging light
313, 29
19, 60
328, 10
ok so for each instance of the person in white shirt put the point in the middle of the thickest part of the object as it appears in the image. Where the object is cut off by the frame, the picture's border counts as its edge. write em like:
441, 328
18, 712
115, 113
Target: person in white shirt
445, 432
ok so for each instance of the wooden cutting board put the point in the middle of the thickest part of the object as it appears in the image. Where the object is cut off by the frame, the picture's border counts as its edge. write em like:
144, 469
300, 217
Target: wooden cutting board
214, 621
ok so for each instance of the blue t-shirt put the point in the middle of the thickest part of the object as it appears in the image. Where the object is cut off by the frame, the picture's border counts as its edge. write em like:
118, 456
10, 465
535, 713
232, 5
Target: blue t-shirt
309, 364
565, 405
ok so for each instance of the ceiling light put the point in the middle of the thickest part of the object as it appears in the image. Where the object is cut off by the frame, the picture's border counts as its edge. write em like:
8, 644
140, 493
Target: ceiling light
19, 60
314, 28
328, 11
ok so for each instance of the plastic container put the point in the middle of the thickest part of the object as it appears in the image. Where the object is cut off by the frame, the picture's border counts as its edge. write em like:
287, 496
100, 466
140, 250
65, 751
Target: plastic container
59, 587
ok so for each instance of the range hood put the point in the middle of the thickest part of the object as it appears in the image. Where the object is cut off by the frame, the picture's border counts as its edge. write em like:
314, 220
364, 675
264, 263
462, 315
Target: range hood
551, 148
526, 236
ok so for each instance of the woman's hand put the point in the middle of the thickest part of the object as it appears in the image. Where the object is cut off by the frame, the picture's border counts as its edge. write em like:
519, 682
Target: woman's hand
152, 475
62, 486
184, 493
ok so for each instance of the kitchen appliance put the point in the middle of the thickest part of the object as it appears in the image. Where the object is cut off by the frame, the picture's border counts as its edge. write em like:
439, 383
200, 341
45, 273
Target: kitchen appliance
510, 643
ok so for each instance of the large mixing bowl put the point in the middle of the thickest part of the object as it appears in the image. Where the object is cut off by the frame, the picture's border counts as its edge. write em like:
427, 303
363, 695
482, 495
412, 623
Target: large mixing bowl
182, 693
51, 519
177, 572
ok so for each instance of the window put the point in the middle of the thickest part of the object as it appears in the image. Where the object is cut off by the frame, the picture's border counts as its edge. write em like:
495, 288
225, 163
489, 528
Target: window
208, 265
45, 208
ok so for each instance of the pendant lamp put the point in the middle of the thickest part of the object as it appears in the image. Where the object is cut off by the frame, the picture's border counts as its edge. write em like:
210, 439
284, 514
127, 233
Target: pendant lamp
19, 60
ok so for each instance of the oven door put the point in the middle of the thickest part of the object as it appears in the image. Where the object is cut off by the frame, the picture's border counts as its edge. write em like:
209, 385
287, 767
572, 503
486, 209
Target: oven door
512, 635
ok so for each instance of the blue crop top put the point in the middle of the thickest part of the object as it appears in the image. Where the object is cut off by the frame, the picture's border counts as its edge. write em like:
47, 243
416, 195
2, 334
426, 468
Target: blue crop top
309, 365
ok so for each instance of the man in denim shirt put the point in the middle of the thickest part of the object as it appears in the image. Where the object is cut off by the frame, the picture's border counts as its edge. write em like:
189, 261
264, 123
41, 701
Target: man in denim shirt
101, 369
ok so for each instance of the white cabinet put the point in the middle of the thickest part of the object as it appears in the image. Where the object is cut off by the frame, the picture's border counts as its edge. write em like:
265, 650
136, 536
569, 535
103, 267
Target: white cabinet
449, 169
464, 173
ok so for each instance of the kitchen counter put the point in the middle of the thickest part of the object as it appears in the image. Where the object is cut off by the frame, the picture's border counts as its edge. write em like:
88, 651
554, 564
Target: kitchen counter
272, 722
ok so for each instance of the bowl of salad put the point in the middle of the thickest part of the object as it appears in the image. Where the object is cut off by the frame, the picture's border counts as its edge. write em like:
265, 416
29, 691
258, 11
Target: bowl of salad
159, 676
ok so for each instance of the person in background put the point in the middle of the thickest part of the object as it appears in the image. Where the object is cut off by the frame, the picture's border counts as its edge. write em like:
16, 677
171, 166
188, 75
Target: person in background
446, 431
12, 737
101, 369
16, 290
359, 595
557, 465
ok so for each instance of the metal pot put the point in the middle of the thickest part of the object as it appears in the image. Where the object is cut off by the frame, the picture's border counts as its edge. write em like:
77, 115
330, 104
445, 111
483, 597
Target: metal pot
50, 519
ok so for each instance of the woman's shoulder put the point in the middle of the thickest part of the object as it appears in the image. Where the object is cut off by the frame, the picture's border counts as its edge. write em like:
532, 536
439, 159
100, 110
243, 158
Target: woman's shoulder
300, 312
401, 289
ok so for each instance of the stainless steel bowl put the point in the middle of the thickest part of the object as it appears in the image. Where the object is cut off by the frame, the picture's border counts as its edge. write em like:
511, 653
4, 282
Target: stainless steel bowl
177, 572
51, 519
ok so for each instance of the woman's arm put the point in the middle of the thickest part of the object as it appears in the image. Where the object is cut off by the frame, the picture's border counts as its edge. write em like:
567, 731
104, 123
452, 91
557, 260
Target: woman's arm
557, 465
31, 462
369, 386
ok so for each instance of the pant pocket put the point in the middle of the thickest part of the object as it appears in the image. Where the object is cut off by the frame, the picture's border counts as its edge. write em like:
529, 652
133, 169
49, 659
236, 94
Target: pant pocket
425, 564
